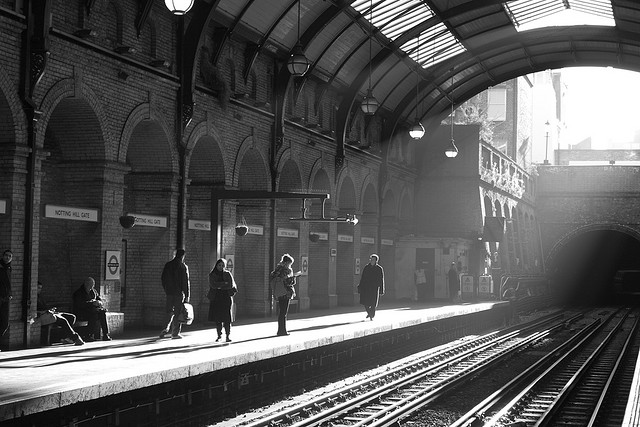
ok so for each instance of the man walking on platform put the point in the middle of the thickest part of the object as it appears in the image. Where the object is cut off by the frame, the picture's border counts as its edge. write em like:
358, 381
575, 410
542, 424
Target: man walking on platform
371, 285
175, 282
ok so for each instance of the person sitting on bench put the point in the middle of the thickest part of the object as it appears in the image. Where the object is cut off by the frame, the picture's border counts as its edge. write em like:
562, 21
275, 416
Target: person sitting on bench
88, 305
63, 320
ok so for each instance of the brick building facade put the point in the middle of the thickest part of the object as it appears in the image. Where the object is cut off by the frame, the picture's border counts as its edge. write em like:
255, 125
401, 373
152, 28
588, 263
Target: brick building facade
92, 131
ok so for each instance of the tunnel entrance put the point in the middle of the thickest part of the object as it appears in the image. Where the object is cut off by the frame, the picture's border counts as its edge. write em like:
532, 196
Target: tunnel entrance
589, 267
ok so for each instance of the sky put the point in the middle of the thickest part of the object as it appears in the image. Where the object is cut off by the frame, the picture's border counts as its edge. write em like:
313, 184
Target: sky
601, 103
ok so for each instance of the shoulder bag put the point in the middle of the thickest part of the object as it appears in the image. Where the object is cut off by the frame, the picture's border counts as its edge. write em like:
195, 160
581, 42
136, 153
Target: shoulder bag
186, 314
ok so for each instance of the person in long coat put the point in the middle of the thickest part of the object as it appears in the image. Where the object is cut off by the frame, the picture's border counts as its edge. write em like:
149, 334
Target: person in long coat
371, 285
222, 288
454, 282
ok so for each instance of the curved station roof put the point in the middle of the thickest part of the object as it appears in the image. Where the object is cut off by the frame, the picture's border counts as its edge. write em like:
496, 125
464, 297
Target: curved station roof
437, 52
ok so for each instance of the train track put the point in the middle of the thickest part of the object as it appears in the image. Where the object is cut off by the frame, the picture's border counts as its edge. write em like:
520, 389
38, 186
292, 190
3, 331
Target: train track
395, 394
581, 383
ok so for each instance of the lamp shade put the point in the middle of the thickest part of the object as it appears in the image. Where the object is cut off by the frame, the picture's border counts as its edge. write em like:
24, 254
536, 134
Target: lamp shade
416, 131
127, 221
178, 7
298, 64
241, 230
369, 104
451, 151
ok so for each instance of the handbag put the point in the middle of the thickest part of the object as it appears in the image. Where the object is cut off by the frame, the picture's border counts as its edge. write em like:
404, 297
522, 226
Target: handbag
46, 318
98, 305
186, 314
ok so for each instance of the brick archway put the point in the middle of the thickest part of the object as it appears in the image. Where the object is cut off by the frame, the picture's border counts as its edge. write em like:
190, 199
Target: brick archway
566, 238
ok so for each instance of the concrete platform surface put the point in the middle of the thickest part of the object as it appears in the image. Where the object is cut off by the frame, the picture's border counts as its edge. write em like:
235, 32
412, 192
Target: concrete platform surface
40, 379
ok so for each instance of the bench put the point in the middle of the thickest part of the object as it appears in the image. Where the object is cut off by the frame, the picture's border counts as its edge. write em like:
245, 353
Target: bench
51, 333
54, 331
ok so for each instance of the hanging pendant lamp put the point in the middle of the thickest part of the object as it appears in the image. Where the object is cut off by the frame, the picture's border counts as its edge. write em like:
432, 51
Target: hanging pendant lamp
298, 64
451, 151
178, 7
417, 130
370, 104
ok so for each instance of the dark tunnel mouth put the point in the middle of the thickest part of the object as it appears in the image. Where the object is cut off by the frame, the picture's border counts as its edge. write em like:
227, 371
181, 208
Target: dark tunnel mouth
595, 267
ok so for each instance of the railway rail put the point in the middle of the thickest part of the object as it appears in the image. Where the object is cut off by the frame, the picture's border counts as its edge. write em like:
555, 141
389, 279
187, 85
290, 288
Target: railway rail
583, 378
580, 383
395, 394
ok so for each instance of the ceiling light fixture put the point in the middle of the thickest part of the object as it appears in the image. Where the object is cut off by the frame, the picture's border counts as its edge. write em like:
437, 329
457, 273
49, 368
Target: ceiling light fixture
451, 151
348, 218
370, 104
417, 130
178, 7
298, 64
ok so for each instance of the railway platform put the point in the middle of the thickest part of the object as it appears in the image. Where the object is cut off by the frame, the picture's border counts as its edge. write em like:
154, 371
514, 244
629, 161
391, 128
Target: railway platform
45, 378
49, 379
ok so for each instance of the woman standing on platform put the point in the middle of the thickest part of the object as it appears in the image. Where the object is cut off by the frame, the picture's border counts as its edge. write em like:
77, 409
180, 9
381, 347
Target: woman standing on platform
282, 281
222, 288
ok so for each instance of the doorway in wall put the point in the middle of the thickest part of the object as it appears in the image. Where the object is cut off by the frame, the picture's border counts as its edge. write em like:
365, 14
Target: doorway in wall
425, 260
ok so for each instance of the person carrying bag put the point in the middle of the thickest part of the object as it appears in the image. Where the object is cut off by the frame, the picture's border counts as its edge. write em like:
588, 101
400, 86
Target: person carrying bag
282, 281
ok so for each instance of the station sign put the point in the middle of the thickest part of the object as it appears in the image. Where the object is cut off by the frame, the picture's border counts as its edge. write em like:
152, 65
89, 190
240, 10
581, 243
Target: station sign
321, 235
345, 238
199, 224
304, 263
3, 206
386, 242
368, 240
112, 265
467, 283
288, 232
484, 284
150, 220
255, 229
231, 260
71, 213
467, 287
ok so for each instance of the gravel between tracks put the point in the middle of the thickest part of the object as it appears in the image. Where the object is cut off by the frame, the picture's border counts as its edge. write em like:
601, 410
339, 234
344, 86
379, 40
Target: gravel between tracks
443, 413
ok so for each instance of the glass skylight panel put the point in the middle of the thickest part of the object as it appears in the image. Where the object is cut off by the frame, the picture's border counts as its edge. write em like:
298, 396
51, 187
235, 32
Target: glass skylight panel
532, 14
436, 45
394, 17
395, 29
600, 8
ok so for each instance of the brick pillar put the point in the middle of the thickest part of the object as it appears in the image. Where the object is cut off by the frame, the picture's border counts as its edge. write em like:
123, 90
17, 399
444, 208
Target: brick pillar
13, 173
98, 186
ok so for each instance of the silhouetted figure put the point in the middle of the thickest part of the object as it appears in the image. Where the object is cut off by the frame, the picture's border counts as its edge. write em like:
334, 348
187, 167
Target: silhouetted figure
454, 282
175, 282
282, 282
222, 288
371, 285
88, 305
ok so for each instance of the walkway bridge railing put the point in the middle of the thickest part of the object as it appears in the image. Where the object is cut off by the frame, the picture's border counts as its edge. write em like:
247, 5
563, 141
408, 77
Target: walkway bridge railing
527, 292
